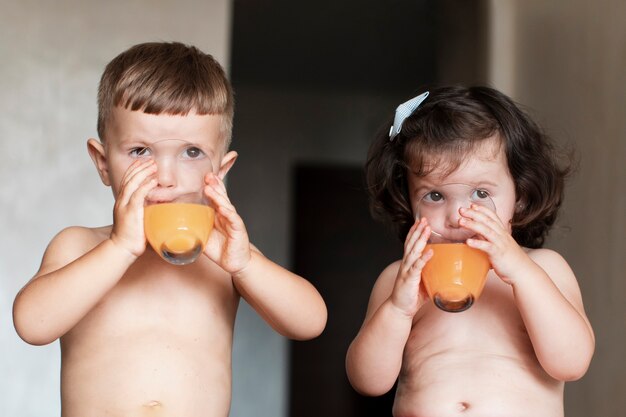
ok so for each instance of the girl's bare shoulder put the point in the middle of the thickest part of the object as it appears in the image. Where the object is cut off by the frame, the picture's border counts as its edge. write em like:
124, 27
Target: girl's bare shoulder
559, 271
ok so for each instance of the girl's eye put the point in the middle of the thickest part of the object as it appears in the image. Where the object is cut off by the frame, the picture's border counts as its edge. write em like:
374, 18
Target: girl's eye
433, 197
193, 153
479, 194
140, 152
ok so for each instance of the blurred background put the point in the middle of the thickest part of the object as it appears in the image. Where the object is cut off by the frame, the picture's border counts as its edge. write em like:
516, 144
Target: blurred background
313, 83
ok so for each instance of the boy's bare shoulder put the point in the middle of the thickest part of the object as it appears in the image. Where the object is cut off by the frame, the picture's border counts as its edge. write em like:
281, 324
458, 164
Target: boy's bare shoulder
82, 236
70, 244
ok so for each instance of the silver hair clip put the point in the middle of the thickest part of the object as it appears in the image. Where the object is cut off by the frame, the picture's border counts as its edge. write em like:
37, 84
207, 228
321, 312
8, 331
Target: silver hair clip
403, 111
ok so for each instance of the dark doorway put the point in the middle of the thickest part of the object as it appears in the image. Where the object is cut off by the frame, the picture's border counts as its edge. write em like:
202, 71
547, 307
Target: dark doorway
314, 81
341, 250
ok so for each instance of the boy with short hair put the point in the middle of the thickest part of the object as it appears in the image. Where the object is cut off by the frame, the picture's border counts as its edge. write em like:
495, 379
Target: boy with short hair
139, 335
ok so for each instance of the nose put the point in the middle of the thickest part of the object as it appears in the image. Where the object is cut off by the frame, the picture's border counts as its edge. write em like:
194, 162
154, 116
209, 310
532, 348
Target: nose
166, 173
452, 215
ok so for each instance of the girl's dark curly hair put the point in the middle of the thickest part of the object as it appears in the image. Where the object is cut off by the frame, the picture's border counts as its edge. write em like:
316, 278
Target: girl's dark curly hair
449, 125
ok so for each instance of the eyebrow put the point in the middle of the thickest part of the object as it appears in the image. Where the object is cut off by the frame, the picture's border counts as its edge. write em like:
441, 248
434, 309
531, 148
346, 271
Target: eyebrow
430, 185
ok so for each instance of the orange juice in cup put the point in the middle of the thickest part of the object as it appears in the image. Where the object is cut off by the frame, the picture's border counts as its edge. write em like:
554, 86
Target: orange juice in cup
178, 232
455, 275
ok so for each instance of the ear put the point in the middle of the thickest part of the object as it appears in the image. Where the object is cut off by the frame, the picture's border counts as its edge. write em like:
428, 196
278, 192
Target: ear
227, 163
98, 156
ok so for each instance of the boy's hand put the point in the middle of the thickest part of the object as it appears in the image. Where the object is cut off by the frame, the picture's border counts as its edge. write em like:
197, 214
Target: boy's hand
505, 255
228, 244
128, 231
408, 294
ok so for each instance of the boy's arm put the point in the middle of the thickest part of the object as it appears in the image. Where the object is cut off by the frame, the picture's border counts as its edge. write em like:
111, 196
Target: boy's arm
289, 303
286, 301
67, 285
80, 267
374, 358
549, 300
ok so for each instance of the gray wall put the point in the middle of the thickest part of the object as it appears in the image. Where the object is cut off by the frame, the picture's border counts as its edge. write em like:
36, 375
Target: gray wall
53, 54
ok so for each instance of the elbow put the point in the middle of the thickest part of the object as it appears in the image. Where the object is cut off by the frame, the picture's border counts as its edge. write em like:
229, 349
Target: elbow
370, 387
31, 335
318, 326
35, 340
27, 328
575, 371
364, 382
572, 369
568, 375
314, 328
371, 390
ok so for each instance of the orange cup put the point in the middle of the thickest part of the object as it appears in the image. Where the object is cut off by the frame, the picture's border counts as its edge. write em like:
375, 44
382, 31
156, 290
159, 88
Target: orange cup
178, 232
455, 275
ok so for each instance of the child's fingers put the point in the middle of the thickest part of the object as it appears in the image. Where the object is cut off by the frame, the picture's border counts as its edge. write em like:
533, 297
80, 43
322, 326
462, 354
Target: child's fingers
418, 264
485, 214
414, 233
212, 179
134, 179
479, 227
219, 198
139, 196
225, 209
483, 245
134, 168
420, 239
415, 252
480, 221
235, 223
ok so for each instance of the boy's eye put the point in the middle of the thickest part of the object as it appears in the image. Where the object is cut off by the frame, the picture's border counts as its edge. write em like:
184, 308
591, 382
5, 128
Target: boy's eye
479, 194
193, 153
139, 152
433, 197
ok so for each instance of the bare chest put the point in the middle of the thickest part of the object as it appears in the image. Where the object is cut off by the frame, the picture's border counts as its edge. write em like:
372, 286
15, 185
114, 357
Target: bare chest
479, 359
154, 295
492, 326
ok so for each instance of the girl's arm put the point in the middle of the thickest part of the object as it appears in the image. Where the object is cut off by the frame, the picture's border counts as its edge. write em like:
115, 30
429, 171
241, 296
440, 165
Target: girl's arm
546, 293
374, 359
549, 300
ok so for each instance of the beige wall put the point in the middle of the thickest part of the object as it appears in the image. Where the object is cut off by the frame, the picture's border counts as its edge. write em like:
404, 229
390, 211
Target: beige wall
52, 54
566, 61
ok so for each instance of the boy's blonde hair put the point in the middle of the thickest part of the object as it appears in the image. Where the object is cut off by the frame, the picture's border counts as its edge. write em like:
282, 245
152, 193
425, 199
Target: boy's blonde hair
171, 78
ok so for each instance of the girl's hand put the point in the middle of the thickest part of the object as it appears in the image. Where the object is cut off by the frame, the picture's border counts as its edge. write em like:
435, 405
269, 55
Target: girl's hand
128, 231
228, 244
408, 294
505, 255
